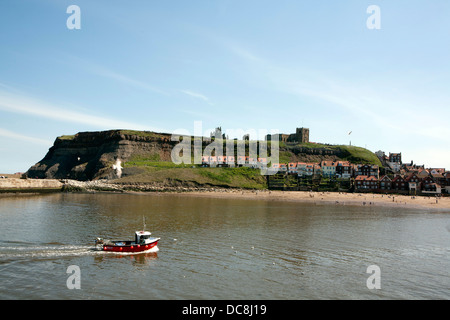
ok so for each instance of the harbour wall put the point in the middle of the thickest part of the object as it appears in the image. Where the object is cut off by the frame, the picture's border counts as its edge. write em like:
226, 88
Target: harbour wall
30, 185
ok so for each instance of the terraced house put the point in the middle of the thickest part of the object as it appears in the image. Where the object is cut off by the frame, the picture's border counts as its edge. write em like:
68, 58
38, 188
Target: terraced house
385, 183
343, 169
367, 170
328, 168
366, 182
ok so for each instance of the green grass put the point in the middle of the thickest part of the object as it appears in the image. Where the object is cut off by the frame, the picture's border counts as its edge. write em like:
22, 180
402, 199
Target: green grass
166, 172
285, 156
235, 177
311, 145
67, 137
356, 155
140, 160
359, 155
141, 133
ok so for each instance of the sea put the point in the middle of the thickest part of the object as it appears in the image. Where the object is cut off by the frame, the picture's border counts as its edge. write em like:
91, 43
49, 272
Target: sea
220, 249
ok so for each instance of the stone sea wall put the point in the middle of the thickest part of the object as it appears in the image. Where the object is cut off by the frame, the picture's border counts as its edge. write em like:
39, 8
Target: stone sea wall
30, 185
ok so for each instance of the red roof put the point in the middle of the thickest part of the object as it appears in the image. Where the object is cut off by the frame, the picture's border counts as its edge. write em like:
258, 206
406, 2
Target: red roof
366, 178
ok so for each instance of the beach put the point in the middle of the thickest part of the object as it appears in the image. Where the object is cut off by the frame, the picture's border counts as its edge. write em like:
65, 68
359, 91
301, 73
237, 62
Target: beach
336, 198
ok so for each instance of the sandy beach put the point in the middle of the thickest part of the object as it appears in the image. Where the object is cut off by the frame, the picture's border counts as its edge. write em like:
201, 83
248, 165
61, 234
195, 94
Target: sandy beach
336, 198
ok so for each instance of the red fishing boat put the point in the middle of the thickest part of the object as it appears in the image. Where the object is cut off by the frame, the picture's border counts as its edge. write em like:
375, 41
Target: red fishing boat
143, 242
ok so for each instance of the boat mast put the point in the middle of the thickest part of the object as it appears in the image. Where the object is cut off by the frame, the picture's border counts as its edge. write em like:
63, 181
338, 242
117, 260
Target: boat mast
143, 220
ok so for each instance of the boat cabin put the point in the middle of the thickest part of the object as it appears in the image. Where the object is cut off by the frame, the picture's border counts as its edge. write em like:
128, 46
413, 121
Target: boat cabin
142, 237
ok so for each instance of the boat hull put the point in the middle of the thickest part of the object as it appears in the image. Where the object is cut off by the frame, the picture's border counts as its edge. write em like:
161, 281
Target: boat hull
130, 248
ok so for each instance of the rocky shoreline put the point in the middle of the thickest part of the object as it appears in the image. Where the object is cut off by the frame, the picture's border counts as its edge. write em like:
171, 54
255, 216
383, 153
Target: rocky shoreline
105, 185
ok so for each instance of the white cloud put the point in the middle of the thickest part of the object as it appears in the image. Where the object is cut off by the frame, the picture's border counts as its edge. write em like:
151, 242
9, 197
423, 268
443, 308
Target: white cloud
113, 75
127, 80
245, 54
16, 136
21, 104
197, 95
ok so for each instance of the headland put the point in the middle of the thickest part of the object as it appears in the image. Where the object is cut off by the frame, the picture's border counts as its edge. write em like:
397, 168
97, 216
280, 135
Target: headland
141, 162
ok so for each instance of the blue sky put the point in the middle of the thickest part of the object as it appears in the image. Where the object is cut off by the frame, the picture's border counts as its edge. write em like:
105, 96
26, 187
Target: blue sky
161, 65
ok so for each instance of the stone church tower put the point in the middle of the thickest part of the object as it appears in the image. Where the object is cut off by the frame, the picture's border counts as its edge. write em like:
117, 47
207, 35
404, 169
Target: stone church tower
302, 135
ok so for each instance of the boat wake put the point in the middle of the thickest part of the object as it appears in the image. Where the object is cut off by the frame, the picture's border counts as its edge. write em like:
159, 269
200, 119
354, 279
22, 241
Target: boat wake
12, 251
26, 251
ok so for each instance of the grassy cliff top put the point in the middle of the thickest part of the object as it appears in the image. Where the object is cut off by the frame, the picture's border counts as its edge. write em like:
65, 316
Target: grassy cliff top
356, 155
359, 155
119, 131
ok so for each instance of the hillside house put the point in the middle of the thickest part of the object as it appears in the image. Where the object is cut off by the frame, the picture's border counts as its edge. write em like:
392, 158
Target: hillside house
447, 182
242, 160
395, 157
221, 160
366, 183
429, 185
205, 161
301, 169
328, 168
305, 169
280, 167
253, 162
385, 183
437, 170
262, 162
367, 170
399, 183
432, 188
395, 166
292, 168
438, 177
230, 161
213, 161
381, 155
413, 182
344, 169
317, 169
423, 173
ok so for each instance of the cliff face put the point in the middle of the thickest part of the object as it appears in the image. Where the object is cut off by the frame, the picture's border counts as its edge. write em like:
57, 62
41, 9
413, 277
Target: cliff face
90, 155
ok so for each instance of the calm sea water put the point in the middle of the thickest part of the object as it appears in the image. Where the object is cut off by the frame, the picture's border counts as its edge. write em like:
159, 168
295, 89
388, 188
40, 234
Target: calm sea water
220, 249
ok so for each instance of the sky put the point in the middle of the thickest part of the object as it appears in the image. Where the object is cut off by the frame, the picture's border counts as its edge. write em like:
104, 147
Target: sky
241, 65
